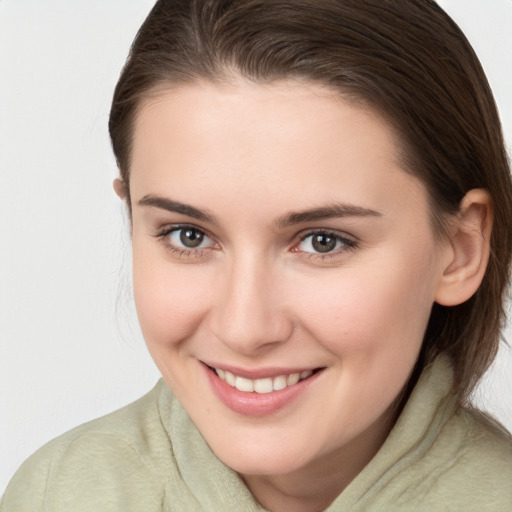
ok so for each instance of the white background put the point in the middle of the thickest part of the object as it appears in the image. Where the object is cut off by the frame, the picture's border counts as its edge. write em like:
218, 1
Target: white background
70, 348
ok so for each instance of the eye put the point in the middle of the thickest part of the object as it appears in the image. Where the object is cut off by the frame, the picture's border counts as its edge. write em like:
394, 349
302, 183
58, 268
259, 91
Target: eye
186, 240
189, 237
324, 242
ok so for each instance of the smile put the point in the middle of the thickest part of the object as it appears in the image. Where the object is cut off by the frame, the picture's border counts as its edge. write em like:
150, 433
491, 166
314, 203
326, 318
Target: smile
262, 392
262, 386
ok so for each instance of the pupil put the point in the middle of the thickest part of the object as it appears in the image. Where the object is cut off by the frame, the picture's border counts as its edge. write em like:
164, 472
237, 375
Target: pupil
191, 237
324, 243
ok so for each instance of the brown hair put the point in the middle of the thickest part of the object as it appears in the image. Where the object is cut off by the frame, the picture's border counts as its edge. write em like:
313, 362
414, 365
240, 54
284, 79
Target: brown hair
408, 60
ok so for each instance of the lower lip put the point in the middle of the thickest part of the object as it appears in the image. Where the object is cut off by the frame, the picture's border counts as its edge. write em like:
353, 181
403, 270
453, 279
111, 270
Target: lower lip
257, 404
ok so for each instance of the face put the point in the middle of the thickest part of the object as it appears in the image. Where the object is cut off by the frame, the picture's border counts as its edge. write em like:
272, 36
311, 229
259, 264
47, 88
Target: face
284, 268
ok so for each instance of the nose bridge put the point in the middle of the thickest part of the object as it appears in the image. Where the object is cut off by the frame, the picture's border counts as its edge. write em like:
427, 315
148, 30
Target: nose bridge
250, 313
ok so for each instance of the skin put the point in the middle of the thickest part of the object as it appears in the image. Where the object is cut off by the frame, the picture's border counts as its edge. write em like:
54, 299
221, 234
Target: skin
257, 294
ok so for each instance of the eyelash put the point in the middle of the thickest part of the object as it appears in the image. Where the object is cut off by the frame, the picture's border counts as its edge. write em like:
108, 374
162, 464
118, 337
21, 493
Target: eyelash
348, 244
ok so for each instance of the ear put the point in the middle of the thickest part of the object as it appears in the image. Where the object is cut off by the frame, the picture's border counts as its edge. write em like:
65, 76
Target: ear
120, 188
467, 252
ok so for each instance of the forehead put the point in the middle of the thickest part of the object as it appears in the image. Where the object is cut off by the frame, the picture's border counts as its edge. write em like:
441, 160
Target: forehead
298, 138
204, 110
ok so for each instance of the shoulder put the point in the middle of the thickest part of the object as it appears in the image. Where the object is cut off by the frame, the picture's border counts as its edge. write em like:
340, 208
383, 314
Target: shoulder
442, 457
467, 467
116, 457
482, 451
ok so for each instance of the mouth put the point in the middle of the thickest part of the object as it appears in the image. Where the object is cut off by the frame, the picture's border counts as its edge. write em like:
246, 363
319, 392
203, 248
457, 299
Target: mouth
263, 392
263, 385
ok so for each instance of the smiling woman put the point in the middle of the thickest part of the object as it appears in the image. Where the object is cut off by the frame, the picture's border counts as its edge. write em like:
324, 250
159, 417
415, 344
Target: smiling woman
320, 207
281, 284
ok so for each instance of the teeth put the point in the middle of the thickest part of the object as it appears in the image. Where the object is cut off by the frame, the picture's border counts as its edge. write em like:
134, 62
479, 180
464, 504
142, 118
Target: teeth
279, 383
244, 384
262, 386
293, 379
229, 378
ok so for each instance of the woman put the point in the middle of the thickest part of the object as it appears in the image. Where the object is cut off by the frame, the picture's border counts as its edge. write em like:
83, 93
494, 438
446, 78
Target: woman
320, 205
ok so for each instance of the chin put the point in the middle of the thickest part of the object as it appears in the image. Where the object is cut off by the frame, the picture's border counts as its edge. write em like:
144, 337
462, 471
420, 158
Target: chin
253, 460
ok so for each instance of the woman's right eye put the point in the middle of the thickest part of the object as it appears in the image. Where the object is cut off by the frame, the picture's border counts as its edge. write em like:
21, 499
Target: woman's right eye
190, 238
186, 239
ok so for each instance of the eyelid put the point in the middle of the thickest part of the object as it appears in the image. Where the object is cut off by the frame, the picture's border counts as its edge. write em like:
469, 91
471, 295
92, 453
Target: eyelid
169, 228
342, 235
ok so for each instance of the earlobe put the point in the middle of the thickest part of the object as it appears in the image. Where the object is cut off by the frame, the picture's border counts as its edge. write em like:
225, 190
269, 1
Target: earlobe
468, 251
120, 188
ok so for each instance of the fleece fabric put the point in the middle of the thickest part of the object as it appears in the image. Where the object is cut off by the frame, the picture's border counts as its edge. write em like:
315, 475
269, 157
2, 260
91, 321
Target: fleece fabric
149, 457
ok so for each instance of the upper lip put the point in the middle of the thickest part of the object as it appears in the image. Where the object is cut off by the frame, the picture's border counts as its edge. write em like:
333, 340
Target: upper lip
259, 373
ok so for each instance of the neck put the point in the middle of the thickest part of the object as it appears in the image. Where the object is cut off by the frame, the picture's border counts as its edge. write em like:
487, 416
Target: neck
293, 492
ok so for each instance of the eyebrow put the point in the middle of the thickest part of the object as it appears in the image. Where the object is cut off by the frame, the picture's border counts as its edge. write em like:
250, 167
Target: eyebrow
331, 211
335, 210
177, 207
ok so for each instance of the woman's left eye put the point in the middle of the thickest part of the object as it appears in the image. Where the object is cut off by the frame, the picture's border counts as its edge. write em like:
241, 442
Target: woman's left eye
324, 242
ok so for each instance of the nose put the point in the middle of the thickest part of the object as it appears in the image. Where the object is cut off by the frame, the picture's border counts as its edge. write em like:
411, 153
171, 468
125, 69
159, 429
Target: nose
250, 315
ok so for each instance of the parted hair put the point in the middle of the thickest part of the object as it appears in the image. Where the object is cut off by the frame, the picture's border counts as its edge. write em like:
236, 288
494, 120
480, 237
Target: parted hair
408, 60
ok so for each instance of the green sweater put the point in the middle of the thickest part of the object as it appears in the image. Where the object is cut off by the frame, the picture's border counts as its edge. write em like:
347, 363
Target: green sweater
149, 457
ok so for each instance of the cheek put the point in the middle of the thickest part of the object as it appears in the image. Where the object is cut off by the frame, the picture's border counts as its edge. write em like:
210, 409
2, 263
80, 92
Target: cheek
170, 299
381, 310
